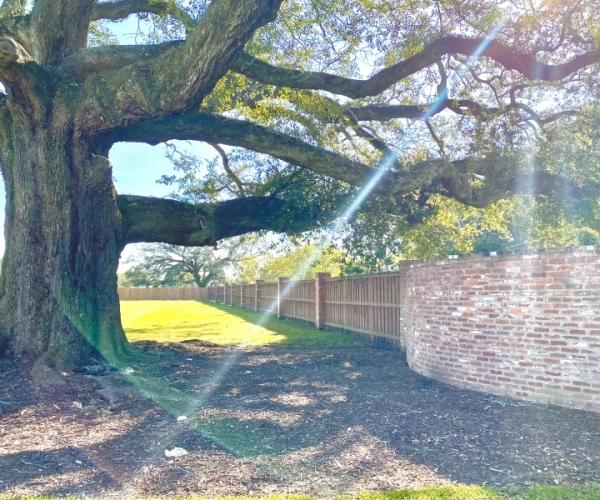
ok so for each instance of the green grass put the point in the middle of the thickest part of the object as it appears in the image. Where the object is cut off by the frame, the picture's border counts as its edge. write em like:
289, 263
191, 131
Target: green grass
444, 493
177, 321
557, 493
481, 493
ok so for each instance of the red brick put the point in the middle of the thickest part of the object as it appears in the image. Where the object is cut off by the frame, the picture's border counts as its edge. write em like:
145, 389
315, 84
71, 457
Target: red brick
531, 313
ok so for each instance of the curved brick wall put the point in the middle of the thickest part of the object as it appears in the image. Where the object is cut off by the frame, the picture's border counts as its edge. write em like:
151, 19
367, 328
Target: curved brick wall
525, 325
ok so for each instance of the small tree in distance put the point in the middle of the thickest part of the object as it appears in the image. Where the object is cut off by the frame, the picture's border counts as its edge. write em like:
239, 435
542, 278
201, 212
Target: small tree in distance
169, 265
162, 265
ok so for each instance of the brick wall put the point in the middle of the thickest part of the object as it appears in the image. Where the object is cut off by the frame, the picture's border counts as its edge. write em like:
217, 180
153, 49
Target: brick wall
524, 324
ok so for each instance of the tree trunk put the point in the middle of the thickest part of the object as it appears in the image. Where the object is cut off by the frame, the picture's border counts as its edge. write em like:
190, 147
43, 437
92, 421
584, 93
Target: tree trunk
58, 287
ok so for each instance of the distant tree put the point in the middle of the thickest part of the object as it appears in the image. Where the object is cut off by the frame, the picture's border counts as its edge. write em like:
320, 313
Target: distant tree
161, 265
299, 263
170, 265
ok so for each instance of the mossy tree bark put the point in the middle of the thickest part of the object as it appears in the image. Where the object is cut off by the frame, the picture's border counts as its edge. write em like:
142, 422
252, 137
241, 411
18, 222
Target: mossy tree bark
58, 301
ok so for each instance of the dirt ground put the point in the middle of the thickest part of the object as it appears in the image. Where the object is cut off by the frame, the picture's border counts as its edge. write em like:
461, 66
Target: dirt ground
266, 420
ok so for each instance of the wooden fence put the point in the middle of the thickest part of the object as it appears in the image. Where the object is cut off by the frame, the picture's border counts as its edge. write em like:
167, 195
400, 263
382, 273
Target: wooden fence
190, 293
366, 304
268, 297
299, 300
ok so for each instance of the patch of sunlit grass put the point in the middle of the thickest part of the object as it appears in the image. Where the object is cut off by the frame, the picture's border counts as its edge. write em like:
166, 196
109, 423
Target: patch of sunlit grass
444, 493
542, 492
177, 321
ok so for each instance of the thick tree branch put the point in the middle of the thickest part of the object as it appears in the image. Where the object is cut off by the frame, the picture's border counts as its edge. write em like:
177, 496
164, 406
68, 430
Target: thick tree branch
114, 11
536, 183
186, 76
377, 112
28, 84
456, 177
459, 106
156, 220
179, 79
511, 59
61, 28
95, 60
214, 128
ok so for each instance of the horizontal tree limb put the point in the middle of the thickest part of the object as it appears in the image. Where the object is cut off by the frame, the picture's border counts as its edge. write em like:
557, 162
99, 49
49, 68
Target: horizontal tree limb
456, 177
94, 60
525, 64
534, 183
158, 220
218, 129
377, 112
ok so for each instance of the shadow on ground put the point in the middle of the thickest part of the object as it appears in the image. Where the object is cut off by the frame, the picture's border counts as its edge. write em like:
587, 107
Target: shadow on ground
302, 421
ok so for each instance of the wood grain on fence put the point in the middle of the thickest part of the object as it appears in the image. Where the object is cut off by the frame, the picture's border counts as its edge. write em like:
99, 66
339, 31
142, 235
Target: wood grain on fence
268, 297
249, 291
368, 304
299, 300
188, 293
236, 295
220, 292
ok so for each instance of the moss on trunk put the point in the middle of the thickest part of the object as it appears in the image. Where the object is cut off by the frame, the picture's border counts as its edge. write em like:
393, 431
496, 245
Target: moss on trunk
58, 287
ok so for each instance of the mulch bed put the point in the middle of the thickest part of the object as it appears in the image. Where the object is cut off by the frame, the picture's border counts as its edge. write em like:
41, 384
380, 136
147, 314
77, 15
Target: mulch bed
265, 420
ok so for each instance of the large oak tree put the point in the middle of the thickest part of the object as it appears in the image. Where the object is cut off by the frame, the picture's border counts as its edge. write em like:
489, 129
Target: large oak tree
281, 80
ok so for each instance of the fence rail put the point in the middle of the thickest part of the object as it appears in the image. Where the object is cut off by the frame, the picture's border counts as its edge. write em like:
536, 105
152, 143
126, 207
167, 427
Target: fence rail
365, 304
189, 293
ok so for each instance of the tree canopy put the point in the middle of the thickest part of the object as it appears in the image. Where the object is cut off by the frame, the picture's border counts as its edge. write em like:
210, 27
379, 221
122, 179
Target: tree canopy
419, 89
163, 265
449, 97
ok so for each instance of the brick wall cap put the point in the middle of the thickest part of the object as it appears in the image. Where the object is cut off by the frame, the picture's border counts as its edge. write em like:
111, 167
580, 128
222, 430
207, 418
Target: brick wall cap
586, 250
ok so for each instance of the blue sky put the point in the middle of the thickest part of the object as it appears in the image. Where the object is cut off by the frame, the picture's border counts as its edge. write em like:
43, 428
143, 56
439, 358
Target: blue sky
136, 167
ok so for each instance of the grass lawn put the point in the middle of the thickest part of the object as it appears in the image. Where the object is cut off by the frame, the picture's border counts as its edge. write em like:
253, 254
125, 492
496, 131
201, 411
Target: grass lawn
481, 493
176, 321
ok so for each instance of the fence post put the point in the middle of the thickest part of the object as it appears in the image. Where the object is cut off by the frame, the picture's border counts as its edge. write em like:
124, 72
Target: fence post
257, 294
320, 299
280, 296
225, 286
242, 296
403, 267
